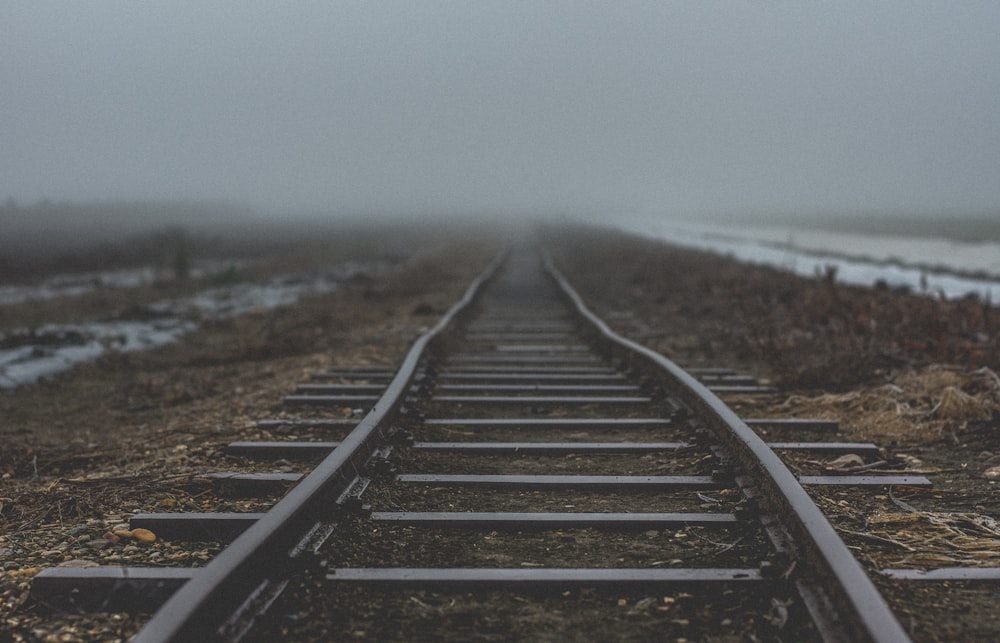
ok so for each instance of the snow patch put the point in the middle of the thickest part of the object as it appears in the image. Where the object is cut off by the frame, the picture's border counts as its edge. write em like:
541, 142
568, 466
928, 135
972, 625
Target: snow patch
60, 346
935, 267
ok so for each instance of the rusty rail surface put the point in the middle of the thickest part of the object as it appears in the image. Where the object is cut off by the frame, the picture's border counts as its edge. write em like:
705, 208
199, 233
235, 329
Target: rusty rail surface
837, 579
205, 604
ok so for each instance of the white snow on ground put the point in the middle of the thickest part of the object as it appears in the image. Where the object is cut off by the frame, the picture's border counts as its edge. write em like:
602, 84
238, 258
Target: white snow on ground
76, 284
934, 267
172, 318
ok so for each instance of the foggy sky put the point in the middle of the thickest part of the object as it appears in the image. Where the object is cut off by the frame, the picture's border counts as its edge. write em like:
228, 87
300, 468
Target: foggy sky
494, 107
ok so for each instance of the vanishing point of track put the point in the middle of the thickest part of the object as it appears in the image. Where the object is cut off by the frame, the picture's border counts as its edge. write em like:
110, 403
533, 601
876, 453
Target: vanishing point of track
520, 355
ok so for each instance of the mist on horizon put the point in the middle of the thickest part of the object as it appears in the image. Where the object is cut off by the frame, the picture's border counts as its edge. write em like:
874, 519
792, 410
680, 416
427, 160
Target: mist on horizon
495, 109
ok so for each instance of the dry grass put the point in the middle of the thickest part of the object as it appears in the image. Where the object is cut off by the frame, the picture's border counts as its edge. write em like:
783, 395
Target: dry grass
917, 407
800, 333
82, 452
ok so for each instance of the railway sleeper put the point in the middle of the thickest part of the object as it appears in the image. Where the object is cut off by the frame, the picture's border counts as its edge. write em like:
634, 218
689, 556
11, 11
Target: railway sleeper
554, 578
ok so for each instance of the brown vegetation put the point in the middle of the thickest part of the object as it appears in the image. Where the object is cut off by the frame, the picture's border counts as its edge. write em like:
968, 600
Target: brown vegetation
803, 333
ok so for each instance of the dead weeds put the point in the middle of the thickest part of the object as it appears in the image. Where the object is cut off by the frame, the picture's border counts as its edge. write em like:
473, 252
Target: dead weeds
82, 452
799, 333
916, 407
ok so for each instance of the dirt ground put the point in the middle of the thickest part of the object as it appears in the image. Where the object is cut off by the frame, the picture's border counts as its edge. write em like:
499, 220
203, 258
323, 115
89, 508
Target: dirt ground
916, 376
82, 452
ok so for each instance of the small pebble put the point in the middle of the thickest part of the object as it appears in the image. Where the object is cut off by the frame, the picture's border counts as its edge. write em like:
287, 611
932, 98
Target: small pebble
143, 535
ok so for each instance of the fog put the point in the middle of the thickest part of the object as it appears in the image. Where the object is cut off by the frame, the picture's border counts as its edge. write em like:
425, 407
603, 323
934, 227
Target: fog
736, 108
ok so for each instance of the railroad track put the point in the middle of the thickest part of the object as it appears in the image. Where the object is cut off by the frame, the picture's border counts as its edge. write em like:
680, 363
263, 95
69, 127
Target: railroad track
520, 413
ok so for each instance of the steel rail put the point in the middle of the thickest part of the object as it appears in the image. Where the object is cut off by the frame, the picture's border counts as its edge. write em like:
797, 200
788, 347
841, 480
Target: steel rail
203, 605
864, 613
